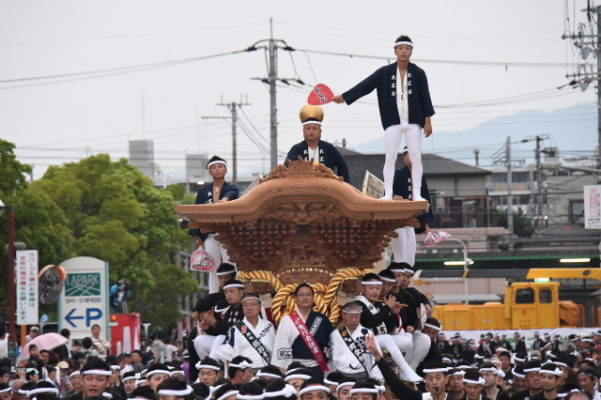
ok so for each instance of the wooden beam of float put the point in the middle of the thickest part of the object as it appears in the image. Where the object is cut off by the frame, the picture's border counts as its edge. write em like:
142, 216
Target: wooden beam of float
303, 223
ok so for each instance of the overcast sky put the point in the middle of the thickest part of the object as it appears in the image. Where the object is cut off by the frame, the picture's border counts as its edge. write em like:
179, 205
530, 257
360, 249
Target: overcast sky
52, 123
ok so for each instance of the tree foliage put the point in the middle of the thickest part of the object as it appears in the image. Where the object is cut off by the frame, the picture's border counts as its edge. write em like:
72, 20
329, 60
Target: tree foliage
116, 214
103, 209
522, 225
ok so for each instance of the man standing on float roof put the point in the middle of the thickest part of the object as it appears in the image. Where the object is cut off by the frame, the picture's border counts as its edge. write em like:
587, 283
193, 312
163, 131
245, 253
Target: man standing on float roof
313, 148
219, 191
405, 108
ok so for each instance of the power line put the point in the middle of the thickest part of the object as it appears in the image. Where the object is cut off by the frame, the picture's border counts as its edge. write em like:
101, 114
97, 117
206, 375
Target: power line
93, 74
505, 64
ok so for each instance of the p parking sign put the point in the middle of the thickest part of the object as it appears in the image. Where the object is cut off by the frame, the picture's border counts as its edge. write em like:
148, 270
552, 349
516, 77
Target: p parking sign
84, 301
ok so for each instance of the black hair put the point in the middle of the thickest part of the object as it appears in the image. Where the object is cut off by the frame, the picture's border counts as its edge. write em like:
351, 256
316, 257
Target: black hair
371, 277
200, 391
45, 396
302, 285
403, 38
86, 342
143, 391
224, 389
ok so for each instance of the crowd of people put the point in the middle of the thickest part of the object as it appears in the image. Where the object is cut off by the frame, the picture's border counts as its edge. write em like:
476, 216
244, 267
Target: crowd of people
381, 347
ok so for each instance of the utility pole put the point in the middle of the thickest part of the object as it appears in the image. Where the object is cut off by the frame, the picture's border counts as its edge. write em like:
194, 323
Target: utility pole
539, 183
509, 194
233, 107
272, 46
273, 109
589, 43
477, 157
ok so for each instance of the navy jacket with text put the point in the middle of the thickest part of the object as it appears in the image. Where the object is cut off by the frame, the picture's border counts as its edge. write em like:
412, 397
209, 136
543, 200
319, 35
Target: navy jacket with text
384, 81
205, 196
328, 156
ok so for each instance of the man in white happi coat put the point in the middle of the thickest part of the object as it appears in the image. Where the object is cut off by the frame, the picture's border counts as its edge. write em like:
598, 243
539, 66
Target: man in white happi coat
252, 337
349, 354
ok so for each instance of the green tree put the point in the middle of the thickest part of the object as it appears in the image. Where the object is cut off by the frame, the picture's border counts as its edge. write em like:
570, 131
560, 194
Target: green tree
39, 223
114, 212
522, 225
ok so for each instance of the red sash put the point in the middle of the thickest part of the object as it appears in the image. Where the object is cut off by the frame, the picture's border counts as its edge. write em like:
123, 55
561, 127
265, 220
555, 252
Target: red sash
310, 341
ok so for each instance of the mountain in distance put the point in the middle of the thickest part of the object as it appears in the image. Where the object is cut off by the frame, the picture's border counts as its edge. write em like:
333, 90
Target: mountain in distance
572, 128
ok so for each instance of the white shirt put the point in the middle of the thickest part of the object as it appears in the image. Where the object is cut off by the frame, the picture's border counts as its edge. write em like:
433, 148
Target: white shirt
345, 361
236, 344
402, 96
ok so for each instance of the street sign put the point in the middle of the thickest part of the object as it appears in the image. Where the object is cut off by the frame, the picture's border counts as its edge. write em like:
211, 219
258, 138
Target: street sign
592, 207
84, 300
27, 287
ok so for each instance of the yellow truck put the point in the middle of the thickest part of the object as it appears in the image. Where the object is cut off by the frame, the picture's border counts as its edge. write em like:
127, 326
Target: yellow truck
527, 305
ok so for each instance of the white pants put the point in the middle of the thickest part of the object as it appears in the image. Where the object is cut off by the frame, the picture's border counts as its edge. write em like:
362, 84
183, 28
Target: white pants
386, 342
219, 254
202, 345
414, 345
207, 345
421, 347
404, 246
392, 141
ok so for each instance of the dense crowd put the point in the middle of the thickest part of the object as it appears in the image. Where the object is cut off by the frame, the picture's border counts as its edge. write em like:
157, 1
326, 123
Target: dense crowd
379, 348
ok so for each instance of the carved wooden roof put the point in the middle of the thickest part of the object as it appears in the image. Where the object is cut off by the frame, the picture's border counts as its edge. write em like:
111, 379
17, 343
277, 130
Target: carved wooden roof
304, 220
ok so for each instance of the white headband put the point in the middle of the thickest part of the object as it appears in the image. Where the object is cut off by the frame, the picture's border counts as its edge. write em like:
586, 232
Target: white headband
102, 372
177, 393
480, 381
228, 394
313, 388
72, 374
436, 328
216, 162
232, 285
365, 390
556, 371
219, 310
526, 370
250, 396
246, 298
385, 279
343, 384
435, 370
458, 373
5, 390
353, 312
242, 365
373, 283
288, 391
130, 378
515, 373
311, 122
225, 273
42, 390
329, 382
268, 374
408, 271
115, 368
491, 369
296, 376
157, 371
199, 365
402, 42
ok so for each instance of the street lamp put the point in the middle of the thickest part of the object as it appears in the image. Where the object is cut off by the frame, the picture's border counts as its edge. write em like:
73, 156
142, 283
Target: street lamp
466, 261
